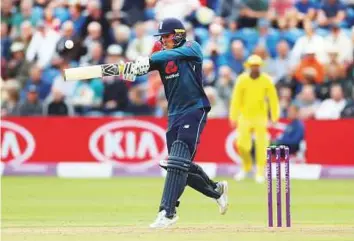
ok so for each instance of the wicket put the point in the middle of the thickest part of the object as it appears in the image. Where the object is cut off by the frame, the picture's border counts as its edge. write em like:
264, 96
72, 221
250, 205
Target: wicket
280, 152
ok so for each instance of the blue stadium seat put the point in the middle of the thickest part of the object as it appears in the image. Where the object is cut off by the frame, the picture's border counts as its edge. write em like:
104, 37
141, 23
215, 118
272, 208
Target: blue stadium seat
292, 35
202, 33
322, 32
62, 14
272, 40
248, 36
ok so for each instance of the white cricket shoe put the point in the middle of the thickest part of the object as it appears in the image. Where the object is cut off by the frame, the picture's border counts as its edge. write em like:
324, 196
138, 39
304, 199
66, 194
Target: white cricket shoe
223, 202
241, 175
162, 221
259, 179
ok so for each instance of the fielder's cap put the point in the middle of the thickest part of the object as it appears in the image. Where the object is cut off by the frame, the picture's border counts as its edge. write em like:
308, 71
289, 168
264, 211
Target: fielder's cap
32, 88
17, 46
254, 60
170, 25
114, 49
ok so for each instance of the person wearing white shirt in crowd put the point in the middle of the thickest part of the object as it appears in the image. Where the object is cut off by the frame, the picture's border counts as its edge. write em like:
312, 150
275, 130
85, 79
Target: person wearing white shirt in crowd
338, 39
42, 46
177, 9
309, 39
141, 45
331, 108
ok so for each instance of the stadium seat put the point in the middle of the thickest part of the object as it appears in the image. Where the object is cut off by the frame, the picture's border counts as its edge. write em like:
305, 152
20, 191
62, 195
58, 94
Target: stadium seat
292, 35
322, 32
203, 34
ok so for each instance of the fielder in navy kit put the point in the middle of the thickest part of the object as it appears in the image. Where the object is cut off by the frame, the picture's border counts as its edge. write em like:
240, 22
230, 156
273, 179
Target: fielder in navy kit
180, 68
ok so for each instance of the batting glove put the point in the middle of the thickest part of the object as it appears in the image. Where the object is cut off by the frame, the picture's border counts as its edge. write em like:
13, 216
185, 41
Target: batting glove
129, 71
142, 65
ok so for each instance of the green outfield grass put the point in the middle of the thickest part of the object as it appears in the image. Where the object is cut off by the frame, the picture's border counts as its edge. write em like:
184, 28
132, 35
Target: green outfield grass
45, 209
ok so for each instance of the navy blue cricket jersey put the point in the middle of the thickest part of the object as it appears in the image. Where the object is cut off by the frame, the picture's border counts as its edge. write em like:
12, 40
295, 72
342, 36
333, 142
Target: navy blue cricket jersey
181, 73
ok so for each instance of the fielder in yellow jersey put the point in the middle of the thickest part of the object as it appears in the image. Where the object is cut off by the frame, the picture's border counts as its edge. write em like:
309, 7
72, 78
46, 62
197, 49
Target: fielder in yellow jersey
254, 100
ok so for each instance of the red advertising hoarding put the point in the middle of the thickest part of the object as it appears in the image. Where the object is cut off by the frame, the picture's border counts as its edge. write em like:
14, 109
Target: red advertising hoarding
141, 141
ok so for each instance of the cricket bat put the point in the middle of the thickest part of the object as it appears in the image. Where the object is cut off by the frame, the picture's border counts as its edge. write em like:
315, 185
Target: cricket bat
94, 71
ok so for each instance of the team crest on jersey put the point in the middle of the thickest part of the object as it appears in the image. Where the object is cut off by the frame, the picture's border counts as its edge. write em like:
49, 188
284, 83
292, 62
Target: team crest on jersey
171, 70
171, 67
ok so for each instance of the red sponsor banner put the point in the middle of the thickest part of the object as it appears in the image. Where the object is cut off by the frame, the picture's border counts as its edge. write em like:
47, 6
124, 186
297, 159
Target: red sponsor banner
141, 142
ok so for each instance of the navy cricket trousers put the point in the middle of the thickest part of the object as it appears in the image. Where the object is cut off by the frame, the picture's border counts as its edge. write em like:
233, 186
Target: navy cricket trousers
187, 127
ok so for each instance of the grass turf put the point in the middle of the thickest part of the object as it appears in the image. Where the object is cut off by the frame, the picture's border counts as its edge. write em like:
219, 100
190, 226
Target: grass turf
47, 208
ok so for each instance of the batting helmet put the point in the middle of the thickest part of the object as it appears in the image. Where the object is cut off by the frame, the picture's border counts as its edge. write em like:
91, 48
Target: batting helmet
174, 26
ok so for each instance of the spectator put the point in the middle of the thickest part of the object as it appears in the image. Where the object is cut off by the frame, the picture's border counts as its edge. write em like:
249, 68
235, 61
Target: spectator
133, 11
306, 9
334, 61
114, 54
94, 56
282, 11
5, 41
251, 11
294, 131
18, 67
57, 105
87, 96
122, 35
309, 39
334, 77
307, 102
6, 11
342, 42
10, 97
282, 64
331, 12
42, 87
94, 34
27, 12
115, 93
332, 108
285, 97
137, 105
95, 14
32, 105
26, 33
229, 12
224, 84
209, 73
67, 32
42, 46
217, 42
268, 62
267, 38
218, 108
237, 57
77, 17
141, 44
65, 87
49, 20
177, 9
310, 70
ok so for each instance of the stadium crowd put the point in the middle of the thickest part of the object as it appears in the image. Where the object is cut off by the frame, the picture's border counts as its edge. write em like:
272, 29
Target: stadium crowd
306, 46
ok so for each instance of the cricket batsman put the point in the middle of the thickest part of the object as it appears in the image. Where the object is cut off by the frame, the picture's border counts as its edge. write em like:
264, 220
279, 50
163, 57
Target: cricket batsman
180, 68
253, 100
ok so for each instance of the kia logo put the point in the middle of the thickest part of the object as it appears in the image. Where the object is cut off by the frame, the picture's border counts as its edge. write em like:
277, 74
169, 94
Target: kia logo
17, 144
129, 143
